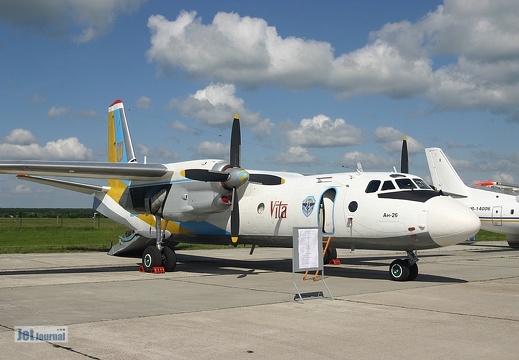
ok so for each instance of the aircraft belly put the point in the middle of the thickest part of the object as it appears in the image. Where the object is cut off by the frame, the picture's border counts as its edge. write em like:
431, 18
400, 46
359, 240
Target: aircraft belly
398, 243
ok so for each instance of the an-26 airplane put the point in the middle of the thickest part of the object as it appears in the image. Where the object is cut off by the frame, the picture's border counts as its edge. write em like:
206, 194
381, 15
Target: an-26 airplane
498, 212
215, 201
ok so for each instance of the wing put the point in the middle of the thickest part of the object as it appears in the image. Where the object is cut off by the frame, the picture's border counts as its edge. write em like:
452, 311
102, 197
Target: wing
508, 188
95, 170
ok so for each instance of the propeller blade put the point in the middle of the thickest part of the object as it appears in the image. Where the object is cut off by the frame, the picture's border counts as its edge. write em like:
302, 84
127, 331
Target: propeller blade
235, 142
235, 217
204, 175
266, 179
404, 160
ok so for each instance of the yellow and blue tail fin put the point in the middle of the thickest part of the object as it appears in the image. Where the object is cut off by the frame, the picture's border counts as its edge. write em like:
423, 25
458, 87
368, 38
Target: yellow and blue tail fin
120, 147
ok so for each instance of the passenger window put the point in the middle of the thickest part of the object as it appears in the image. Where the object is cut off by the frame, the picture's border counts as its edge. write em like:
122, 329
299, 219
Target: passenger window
422, 184
512, 211
405, 184
373, 186
388, 185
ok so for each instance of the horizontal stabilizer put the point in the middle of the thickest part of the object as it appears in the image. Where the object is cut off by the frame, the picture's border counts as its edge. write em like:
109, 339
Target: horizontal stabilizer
64, 184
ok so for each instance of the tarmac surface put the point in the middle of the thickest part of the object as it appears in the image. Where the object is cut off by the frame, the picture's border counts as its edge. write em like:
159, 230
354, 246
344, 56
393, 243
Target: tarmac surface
227, 304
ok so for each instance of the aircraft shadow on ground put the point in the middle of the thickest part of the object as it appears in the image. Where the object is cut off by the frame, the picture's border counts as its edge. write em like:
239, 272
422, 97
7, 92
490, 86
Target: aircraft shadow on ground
78, 270
372, 267
375, 267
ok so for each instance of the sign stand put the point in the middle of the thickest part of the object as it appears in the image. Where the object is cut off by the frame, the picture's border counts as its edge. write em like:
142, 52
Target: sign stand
307, 255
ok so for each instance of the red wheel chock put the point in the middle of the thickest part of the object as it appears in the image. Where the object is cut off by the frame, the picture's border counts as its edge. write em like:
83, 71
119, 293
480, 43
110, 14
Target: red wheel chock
334, 262
154, 270
158, 270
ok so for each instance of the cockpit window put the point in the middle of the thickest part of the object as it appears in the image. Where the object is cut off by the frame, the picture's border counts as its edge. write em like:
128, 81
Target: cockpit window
373, 186
405, 183
388, 185
422, 184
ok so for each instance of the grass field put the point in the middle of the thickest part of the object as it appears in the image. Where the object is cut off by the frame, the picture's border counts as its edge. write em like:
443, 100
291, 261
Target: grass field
40, 235
44, 235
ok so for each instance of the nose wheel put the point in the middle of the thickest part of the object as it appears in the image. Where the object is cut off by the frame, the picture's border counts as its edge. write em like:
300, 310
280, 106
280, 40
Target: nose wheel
404, 269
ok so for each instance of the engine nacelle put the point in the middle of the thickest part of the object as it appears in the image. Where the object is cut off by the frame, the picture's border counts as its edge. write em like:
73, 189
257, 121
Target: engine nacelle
194, 201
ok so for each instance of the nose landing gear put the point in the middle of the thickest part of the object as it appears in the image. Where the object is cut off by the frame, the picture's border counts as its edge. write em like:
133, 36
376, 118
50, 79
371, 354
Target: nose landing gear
404, 269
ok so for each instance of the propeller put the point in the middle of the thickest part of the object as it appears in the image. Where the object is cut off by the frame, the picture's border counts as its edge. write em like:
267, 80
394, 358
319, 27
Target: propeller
234, 157
233, 176
404, 159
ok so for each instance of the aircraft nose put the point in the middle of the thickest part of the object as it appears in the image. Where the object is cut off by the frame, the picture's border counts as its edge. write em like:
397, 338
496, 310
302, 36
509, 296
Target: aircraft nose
450, 222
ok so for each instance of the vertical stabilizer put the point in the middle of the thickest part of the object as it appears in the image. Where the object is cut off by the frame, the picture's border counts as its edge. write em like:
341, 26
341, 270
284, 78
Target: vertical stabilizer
120, 147
443, 175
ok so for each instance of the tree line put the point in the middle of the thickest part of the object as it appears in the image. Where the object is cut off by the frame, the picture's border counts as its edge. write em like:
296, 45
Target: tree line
72, 213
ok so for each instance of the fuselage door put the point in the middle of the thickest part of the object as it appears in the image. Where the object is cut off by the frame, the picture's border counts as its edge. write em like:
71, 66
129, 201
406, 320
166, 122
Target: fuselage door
326, 211
497, 215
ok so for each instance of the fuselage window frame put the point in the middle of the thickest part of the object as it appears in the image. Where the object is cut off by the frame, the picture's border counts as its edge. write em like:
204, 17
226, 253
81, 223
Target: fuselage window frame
373, 186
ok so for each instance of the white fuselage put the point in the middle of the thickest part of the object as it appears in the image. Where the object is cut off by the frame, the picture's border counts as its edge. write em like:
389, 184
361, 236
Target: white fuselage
354, 208
498, 212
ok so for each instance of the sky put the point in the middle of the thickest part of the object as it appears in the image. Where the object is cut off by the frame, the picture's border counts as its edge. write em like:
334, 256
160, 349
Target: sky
319, 85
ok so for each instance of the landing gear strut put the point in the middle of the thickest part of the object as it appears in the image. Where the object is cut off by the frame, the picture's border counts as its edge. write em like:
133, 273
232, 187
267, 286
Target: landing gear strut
159, 255
404, 269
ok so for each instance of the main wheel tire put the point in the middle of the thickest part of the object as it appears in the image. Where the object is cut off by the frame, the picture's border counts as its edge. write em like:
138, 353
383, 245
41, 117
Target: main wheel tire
331, 253
151, 258
169, 259
399, 270
413, 272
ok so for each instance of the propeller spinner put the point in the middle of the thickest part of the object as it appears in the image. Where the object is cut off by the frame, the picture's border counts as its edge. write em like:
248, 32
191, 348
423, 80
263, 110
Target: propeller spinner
233, 176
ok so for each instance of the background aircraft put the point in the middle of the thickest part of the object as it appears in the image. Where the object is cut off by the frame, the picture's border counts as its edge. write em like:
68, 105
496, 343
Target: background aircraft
498, 212
214, 201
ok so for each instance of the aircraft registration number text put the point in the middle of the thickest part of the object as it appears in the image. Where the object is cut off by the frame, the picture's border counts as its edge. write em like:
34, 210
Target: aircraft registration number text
390, 215
480, 208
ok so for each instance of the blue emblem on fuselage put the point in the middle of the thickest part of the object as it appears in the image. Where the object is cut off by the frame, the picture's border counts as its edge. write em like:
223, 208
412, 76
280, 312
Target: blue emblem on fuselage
308, 205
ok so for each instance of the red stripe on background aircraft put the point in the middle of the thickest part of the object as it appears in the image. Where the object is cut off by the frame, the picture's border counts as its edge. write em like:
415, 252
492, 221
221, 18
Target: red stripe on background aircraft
219, 202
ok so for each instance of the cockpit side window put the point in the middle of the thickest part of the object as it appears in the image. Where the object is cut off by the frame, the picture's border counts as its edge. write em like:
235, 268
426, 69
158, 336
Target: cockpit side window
373, 186
422, 184
405, 183
388, 185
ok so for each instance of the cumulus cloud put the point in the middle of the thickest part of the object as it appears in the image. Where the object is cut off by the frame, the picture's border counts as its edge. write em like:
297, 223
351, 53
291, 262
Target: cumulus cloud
21, 145
165, 153
20, 137
295, 155
56, 111
212, 149
79, 21
144, 103
367, 161
321, 131
216, 104
392, 140
459, 56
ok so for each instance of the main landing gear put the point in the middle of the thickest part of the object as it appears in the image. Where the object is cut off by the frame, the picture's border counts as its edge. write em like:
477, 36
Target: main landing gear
404, 269
159, 255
